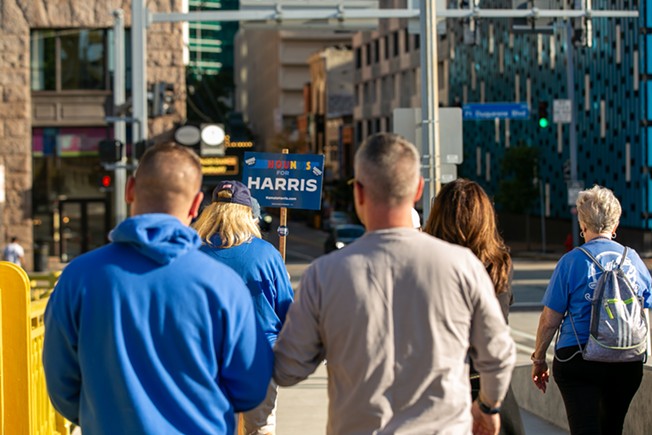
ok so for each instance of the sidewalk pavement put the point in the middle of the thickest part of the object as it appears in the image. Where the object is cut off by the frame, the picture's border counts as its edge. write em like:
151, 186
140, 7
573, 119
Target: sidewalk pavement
302, 410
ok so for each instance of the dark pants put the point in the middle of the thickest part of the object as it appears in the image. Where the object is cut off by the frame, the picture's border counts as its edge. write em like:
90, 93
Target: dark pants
596, 394
510, 414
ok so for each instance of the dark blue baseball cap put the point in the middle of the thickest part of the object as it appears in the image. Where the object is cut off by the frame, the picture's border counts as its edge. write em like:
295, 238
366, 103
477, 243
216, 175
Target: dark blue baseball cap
240, 193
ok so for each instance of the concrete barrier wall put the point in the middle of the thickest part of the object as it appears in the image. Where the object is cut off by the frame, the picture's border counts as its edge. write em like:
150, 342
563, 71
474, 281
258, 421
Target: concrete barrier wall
550, 406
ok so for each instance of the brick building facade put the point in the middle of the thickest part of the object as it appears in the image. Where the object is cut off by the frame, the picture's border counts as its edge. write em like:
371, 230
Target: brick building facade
35, 103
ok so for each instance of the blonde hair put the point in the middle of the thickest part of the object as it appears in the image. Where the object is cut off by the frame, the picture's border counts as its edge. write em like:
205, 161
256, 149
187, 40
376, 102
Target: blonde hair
598, 209
233, 222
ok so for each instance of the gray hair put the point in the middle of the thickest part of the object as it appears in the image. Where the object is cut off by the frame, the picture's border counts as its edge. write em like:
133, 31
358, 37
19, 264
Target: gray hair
598, 209
387, 166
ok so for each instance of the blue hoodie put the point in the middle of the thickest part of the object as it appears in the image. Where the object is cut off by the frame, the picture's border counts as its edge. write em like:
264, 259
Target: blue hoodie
147, 335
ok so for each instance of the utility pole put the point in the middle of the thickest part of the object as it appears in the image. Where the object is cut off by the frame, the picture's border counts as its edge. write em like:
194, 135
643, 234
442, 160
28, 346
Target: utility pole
572, 126
119, 127
430, 102
139, 24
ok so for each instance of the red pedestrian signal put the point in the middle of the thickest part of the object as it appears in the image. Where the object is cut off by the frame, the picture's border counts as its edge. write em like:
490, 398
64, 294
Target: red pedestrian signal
106, 181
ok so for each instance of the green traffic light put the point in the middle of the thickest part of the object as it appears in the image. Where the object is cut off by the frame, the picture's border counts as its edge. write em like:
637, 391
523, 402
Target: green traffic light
543, 122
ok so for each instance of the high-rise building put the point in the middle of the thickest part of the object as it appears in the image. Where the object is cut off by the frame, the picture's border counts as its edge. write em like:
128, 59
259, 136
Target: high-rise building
329, 110
387, 73
271, 68
210, 44
504, 62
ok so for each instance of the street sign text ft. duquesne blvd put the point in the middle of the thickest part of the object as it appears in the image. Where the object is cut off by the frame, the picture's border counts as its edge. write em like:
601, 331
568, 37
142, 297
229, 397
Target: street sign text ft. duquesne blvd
491, 111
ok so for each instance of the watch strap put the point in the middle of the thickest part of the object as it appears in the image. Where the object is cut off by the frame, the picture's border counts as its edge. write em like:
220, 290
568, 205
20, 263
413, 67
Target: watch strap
486, 409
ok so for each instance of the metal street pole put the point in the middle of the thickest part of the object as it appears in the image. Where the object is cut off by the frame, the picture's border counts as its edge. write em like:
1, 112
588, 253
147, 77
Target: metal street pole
429, 102
139, 24
119, 128
570, 85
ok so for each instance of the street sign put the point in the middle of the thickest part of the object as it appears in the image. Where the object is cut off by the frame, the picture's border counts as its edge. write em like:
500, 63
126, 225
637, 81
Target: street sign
574, 188
212, 140
188, 135
407, 123
561, 111
218, 166
491, 111
284, 180
448, 173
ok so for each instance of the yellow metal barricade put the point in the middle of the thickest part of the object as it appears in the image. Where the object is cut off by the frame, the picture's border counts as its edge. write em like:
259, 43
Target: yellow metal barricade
25, 407
43, 283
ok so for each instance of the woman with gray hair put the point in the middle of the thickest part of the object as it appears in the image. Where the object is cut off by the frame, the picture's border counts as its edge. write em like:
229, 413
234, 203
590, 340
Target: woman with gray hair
596, 394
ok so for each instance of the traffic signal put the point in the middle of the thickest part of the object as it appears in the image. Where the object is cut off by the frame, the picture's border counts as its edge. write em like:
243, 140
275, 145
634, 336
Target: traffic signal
162, 102
110, 151
105, 182
544, 120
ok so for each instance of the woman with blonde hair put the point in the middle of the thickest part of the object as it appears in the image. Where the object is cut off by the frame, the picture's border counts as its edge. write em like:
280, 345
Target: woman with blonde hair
596, 394
230, 235
463, 214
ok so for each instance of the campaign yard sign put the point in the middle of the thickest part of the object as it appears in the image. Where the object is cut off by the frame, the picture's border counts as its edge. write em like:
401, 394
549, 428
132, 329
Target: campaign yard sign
284, 180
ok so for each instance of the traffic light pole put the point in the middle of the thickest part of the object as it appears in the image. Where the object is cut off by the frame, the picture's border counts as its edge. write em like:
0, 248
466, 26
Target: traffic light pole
430, 103
570, 85
119, 128
139, 23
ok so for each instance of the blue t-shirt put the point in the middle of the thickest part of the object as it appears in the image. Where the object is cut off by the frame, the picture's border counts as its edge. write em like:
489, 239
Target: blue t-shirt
261, 267
575, 277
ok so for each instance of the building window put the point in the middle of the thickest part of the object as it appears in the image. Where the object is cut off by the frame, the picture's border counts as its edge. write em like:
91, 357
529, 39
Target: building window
74, 59
406, 39
377, 50
370, 127
368, 48
395, 44
358, 132
417, 42
358, 58
386, 40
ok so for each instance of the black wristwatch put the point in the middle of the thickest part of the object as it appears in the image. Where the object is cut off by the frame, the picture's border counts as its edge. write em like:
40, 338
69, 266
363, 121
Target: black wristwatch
486, 409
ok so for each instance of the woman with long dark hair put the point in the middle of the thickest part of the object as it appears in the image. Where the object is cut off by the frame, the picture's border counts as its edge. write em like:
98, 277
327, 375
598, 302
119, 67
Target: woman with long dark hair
463, 214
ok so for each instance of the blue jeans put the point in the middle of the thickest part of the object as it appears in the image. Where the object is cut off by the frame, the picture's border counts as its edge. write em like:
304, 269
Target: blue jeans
596, 394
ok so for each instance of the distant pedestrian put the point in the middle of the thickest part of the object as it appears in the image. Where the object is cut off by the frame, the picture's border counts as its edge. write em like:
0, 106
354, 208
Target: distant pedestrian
228, 227
396, 314
14, 253
463, 214
149, 335
596, 394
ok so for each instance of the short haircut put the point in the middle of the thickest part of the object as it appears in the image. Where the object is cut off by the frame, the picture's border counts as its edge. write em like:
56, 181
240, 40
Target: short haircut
598, 209
388, 168
167, 175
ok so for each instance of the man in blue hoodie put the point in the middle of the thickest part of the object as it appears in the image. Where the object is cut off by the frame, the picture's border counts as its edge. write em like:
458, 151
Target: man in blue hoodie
149, 335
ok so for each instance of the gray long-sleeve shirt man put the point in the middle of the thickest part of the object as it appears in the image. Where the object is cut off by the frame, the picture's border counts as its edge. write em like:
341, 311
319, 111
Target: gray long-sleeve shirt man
396, 315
